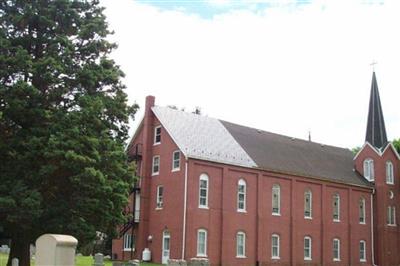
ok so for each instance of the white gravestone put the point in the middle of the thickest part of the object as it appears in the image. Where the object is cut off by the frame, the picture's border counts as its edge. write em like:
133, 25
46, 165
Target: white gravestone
98, 259
55, 250
14, 262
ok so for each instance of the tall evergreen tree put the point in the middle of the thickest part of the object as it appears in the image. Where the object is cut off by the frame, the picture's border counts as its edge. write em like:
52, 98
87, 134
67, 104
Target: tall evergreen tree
63, 123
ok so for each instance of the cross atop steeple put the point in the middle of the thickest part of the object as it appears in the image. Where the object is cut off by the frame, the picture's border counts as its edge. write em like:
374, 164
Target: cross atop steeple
376, 131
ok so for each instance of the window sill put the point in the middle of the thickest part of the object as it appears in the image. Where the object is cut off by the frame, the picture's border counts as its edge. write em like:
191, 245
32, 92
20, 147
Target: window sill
307, 218
176, 170
276, 214
157, 143
392, 225
241, 257
154, 174
275, 258
307, 259
128, 249
336, 260
159, 208
389, 183
203, 207
363, 260
362, 223
336, 221
242, 211
201, 255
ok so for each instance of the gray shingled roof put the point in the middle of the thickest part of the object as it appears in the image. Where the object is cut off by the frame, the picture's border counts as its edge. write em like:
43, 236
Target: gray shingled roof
210, 139
289, 155
202, 137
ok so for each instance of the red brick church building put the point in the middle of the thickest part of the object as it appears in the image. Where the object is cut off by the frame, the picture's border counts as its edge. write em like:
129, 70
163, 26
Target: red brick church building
243, 196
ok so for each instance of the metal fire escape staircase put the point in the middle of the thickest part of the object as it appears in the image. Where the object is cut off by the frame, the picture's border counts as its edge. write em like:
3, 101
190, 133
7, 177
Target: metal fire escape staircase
135, 154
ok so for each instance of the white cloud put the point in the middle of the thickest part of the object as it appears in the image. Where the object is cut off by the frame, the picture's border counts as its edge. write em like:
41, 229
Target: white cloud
283, 70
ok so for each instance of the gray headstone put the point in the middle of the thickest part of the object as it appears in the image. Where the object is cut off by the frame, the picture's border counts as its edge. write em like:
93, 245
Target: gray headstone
98, 259
14, 262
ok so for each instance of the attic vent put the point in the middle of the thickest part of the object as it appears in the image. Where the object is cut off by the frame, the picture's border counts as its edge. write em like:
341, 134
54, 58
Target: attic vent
259, 130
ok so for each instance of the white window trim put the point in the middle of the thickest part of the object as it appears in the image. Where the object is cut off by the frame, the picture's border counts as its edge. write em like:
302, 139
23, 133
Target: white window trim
159, 204
279, 200
155, 135
241, 182
338, 207
244, 245
125, 240
308, 191
205, 178
338, 241
364, 251
152, 166
389, 173
272, 247
205, 243
364, 213
304, 247
368, 169
393, 213
173, 161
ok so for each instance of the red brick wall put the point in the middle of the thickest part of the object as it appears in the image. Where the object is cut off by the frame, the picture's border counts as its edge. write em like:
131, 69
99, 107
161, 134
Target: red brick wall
387, 240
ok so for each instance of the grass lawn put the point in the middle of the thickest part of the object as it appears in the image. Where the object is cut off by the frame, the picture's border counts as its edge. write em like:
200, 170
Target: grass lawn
80, 261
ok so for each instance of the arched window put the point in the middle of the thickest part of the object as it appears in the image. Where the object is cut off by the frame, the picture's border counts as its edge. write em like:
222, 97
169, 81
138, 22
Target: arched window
361, 211
336, 207
276, 199
389, 173
308, 204
275, 246
241, 245
307, 248
203, 191
363, 255
369, 172
201, 243
336, 249
241, 196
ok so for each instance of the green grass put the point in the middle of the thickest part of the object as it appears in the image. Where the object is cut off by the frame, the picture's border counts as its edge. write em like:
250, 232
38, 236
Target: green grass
80, 261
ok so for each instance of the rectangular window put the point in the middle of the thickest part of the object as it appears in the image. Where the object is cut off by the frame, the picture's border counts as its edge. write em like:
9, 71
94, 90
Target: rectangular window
156, 165
391, 215
157, 135
336, 249
128, 243
336, 208
202, 243
240, 245
361, 211
160, 193
203, 191
176, 157
307, 204
307, 248
276, 200
275, 246
241, 196
363, 256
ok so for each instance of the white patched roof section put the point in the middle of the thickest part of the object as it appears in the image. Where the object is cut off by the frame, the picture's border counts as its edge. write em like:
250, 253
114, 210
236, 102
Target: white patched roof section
202, 137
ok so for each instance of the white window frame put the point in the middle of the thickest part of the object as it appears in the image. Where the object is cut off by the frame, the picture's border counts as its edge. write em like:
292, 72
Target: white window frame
336, 196
160, 197
153, 172
243, 235
361, 211
363, 252
277, 255
203, 177
337, 241
276, 188
391, 216
155, 142
368, 167
389, 173
174, 160
241, 183
128, 242
309, 216
199, 251
308, 238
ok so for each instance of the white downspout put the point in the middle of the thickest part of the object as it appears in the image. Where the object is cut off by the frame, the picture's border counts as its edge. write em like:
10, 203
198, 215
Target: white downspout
184, 210
372, 228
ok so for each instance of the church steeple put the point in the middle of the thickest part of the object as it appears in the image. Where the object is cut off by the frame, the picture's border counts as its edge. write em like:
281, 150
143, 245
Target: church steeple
376, 131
